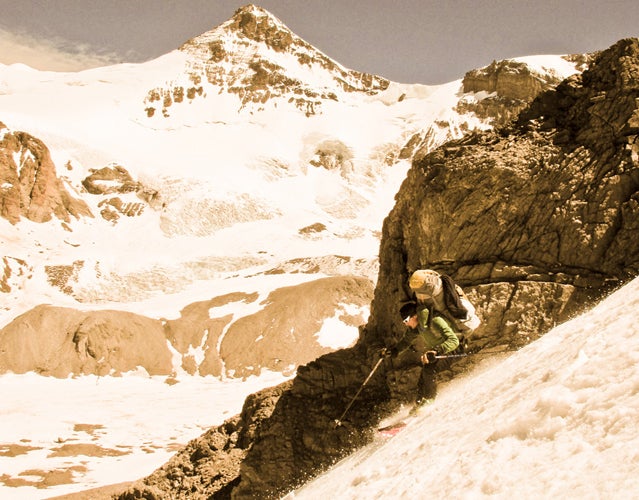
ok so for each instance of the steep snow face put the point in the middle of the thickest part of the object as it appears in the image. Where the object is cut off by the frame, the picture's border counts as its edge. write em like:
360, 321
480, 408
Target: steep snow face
556, 419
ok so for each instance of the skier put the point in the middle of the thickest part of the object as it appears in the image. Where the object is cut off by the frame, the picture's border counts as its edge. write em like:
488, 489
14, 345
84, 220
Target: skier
429, 334
441, 293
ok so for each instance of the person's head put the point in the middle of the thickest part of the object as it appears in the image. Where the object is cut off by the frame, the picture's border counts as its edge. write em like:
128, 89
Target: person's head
426, 284
408, 313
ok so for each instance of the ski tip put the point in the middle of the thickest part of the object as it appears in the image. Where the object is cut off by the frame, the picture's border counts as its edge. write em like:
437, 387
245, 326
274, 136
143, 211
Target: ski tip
391, 430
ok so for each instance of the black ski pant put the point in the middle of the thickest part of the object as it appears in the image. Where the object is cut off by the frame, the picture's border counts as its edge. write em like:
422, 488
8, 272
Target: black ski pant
427, 387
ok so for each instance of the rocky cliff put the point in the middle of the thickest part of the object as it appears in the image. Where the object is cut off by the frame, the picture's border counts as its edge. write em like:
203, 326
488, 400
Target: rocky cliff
496, 94
29, 185
509, 86
536, 221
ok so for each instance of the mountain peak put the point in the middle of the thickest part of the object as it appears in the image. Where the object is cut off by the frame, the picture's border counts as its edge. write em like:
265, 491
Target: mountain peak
257, 57
259, 25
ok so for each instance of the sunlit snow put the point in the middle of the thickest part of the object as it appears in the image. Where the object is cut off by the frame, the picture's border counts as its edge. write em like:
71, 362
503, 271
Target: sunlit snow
115, 428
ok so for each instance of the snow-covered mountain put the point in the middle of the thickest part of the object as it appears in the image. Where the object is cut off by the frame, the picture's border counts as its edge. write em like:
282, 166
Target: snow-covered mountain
222, 182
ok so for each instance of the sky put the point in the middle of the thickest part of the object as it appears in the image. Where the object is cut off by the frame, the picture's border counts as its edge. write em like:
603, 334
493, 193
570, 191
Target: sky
556, 419
407, 41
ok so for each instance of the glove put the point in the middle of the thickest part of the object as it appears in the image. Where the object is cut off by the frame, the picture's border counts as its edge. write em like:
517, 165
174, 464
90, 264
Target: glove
429, 357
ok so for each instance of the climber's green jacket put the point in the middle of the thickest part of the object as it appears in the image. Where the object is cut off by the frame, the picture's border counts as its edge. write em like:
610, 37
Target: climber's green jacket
434, 335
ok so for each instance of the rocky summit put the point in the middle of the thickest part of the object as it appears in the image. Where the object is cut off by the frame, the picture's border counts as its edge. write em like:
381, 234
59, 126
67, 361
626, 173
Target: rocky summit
247, 56
537, 220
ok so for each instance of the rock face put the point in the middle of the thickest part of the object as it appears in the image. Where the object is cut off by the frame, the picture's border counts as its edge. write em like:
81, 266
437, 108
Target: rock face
512, 86
210, 463
495, 94
545, 208
535, 221
113, 183
29, 186
59, 341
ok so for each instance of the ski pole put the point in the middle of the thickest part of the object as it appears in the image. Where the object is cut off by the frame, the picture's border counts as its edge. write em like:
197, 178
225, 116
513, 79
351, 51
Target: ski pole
447, 356
338, 421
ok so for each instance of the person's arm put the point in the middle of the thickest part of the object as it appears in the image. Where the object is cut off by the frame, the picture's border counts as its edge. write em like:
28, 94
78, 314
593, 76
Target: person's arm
451, 342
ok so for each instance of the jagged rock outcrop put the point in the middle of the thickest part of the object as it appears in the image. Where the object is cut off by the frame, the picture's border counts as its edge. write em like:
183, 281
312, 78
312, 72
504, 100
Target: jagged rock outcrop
116, 180
536, 221
251, 43
496, 94
511, 85
549, 204
29, 185
13, 272
212, 461
281, 333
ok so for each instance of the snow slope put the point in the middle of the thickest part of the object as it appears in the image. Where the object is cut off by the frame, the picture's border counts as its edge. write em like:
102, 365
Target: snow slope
557, 419
60, 436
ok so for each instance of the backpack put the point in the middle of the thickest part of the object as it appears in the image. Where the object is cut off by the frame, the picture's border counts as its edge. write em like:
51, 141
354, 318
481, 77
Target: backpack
453, 299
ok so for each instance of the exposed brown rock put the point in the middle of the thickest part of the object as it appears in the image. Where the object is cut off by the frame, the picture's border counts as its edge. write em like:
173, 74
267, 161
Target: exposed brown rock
108, 180
197, 327
509, 78
13, 272
29, 186
512, 84
59, 341
255, 79
282, 335
115, 179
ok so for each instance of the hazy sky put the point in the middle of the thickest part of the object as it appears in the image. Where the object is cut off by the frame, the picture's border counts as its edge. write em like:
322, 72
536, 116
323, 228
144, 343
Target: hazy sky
409, 41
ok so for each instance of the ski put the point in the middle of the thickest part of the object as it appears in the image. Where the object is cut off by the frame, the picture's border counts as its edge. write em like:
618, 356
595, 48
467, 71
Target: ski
392, 429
